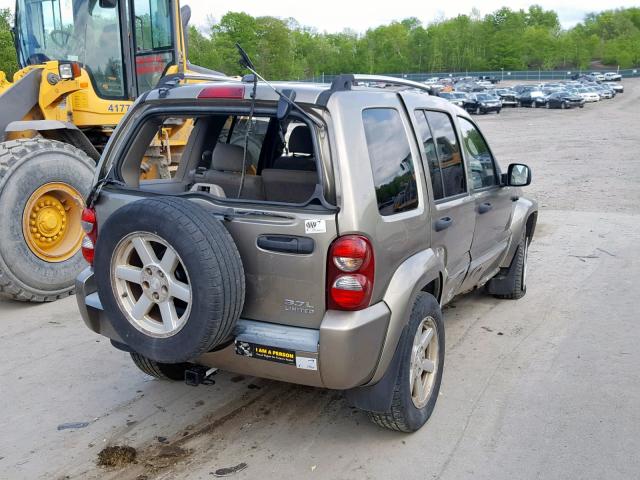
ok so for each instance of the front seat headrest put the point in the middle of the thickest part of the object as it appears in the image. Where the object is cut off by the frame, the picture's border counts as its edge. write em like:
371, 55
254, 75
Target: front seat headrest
300, 140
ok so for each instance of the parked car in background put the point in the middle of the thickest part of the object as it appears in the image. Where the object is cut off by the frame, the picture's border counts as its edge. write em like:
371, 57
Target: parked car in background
588, 95
612, 77
507, 96
617, 87
482, 103
605, 92
457, 98
564, 100
527, 98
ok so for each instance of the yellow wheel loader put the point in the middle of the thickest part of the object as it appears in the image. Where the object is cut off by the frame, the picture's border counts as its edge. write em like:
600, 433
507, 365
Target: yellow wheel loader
83, 62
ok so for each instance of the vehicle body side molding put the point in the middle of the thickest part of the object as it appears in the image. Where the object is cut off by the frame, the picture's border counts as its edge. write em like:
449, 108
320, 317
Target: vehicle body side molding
418, 271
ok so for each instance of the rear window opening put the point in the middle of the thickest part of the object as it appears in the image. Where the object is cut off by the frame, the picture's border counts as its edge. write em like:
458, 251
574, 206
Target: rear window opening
228, 156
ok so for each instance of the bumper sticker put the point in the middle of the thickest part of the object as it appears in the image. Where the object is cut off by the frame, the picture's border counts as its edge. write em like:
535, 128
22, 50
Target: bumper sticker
306, 363
263, 352
315, 226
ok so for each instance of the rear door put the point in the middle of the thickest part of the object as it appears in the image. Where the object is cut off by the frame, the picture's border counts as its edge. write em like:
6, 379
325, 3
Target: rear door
452, 208
284, 254
283, 248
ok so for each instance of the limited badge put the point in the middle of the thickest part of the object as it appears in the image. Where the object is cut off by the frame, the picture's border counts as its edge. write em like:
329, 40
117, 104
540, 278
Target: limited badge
263, 352
315, 226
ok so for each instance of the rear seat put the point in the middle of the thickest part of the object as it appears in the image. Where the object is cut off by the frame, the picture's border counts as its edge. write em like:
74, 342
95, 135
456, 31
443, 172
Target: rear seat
293, 177
226, 170
291, 186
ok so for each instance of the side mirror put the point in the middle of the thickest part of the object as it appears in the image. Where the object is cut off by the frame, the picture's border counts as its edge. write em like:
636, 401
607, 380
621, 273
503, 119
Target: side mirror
518, 175
108, 3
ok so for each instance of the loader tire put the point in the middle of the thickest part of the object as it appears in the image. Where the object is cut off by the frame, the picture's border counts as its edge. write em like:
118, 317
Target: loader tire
43, 184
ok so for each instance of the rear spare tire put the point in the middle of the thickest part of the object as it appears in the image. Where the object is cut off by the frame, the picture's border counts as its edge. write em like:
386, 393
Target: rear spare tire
43, 184
170, 278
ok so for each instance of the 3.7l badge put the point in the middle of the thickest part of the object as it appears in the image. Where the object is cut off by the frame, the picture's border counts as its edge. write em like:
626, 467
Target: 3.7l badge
298, 306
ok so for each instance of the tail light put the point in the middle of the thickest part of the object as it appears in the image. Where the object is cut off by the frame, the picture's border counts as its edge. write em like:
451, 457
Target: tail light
350, 271
90, 227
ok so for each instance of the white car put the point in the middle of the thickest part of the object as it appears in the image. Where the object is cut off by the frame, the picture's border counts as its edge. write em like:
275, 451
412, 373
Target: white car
618, 87
588, 96
612, 76
599, 77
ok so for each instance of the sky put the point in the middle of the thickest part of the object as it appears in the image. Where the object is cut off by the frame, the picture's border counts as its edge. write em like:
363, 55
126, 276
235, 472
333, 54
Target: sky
337, 15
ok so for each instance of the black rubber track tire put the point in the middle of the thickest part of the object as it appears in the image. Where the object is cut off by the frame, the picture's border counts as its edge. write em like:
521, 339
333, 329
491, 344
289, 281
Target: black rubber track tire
161, 371
26, 165
404, 416
515, 274
211, 259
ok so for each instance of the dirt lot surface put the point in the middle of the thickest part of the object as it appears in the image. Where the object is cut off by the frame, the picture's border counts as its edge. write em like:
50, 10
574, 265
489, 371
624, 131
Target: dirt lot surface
545, 387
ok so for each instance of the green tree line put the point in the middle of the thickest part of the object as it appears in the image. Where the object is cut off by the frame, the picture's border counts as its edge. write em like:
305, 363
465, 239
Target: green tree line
513, 40
509, 39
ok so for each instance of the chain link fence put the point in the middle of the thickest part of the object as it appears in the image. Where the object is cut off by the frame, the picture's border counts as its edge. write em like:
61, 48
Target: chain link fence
502, 75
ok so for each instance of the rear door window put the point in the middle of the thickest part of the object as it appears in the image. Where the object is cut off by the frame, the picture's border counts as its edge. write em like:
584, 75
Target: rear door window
391, 160
449, 169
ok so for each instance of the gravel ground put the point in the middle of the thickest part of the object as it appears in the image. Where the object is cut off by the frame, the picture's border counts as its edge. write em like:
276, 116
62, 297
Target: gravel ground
545, 387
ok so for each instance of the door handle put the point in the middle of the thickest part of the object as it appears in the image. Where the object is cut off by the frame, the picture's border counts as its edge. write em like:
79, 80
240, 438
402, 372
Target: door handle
443, 223
484, 208
286, 244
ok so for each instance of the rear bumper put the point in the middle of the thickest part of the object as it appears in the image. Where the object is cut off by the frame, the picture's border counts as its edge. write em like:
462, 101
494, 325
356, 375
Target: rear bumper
342, 354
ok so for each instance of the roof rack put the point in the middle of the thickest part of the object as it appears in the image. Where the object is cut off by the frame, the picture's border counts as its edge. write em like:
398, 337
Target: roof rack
343, 83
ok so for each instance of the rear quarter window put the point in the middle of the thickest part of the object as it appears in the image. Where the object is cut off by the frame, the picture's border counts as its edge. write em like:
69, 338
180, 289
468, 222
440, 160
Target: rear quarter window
392, 163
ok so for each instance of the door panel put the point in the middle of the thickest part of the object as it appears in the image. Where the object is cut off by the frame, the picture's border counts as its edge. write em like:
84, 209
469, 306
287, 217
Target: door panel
285, 264
452, 208
493, 205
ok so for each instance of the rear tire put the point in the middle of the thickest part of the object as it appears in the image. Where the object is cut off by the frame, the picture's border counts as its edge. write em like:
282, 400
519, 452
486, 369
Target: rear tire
26, 167
162, 371
410, 410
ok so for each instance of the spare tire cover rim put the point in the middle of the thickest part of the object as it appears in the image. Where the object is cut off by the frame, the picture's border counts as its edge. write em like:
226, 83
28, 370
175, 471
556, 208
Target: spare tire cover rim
151, 284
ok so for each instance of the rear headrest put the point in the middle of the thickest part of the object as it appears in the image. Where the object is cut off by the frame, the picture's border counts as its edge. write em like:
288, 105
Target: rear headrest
227, 158
300, 140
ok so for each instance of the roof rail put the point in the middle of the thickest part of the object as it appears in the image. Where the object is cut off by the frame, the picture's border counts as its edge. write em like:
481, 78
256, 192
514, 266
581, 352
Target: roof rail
343, 83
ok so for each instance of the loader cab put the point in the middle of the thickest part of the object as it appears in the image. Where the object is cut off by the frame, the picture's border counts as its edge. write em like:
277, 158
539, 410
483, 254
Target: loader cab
125, 46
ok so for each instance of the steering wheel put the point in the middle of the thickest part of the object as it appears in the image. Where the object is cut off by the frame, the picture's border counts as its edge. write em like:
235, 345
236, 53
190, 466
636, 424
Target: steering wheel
61, 37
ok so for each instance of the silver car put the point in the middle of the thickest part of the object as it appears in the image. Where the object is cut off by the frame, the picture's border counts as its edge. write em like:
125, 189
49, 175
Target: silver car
320, 250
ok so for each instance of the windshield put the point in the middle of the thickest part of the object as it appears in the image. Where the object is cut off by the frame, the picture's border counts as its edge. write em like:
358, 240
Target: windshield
75, 30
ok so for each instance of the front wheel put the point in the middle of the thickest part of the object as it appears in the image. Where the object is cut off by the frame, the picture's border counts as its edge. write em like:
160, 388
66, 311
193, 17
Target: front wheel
478, 111
563, 105
420, 374
43, 184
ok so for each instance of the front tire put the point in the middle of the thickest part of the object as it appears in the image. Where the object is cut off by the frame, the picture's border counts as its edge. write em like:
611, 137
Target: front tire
43, 184
511, 282
420, 374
